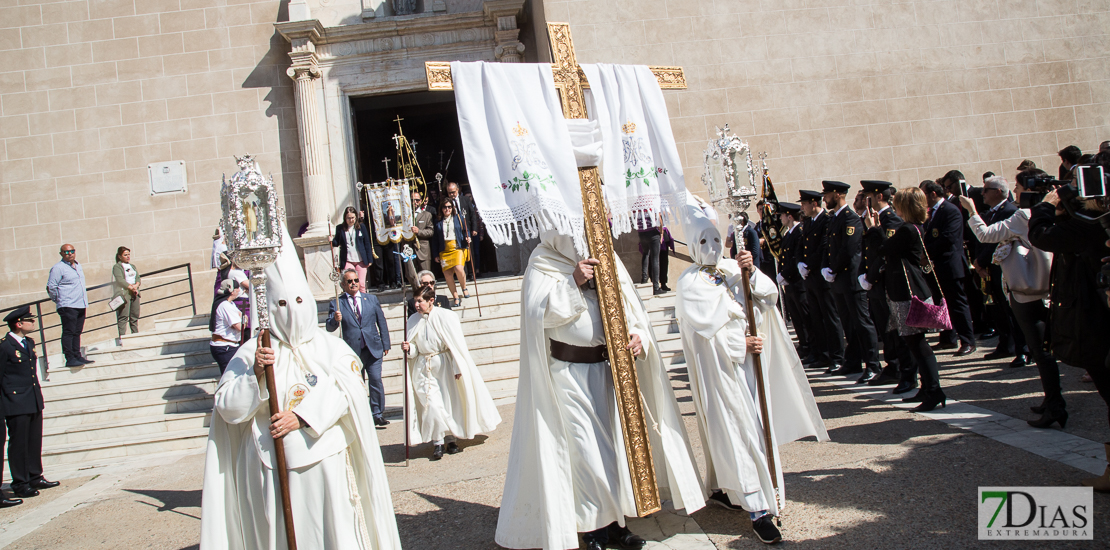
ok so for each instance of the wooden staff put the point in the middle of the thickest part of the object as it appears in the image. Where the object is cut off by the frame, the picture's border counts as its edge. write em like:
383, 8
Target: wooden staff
337, 275
764, 412
279, 450
405, 366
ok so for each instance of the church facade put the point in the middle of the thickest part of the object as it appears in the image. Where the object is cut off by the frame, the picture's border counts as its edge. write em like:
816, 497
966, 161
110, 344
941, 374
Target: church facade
119, 117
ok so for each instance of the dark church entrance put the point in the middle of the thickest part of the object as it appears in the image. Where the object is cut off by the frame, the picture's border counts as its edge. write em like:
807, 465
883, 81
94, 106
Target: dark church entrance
430, 123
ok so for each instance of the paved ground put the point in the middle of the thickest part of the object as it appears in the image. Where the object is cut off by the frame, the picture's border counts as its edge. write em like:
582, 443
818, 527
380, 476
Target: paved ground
889, 478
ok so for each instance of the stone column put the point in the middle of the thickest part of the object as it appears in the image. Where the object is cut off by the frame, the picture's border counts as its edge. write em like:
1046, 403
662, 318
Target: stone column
509, 48
319, 204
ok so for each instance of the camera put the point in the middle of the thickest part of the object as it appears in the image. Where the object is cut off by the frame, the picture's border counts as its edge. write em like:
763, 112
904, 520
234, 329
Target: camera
1038, 183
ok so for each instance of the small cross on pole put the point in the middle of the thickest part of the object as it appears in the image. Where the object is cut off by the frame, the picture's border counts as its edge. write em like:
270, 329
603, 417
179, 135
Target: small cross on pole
386, 161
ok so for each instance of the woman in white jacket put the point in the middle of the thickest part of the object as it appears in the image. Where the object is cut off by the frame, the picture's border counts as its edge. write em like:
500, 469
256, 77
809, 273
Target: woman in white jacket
1025, 276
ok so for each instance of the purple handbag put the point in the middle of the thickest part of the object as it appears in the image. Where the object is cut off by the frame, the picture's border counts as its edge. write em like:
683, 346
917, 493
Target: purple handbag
925, 315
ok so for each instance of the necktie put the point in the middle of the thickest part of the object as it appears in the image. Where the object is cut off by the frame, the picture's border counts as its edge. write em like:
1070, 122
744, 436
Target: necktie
358, 309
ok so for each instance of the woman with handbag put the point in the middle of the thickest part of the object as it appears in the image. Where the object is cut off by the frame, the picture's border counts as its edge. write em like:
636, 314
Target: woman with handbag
126, 299
912, 312
1025, 276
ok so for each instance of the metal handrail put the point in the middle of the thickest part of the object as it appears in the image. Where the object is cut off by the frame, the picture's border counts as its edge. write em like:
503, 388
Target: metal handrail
37, 305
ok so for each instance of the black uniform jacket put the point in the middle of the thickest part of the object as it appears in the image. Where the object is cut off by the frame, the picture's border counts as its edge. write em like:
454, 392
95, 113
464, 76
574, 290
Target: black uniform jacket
815, 243
874, 263
19, 379
845, 249
792, 244
944, 240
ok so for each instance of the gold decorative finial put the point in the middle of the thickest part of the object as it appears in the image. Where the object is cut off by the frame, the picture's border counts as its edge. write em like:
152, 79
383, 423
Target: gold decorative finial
628, 127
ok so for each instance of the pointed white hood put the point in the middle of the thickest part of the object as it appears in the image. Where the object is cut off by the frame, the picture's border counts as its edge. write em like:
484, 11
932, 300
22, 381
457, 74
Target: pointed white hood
293, 318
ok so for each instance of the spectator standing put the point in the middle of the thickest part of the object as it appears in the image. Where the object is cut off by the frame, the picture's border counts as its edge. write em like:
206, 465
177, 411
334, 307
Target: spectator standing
1069, 157
219, 247
650, 242
944, 241
356, 250
424, 230
427, 279
793, 286
452, 247
22, 404
126, 281
468, 218
1011, 342
1025, 274
904, 254
365, 330
226, 324
66, 287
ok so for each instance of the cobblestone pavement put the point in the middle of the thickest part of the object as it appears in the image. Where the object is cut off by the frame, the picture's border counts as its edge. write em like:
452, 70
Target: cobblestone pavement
889, 478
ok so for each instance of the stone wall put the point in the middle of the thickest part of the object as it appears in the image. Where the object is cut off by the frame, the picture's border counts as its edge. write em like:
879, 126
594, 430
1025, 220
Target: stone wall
851, 89
95, 90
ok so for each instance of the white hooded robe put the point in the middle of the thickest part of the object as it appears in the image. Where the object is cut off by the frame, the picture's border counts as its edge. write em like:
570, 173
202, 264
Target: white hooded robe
568, 472
337, 482
439, 404
714, 327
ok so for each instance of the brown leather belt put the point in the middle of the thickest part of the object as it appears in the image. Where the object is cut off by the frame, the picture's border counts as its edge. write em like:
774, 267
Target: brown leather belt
218, 338
578, 354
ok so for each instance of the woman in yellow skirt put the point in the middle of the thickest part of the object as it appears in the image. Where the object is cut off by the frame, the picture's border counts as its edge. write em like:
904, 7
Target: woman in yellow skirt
452, 246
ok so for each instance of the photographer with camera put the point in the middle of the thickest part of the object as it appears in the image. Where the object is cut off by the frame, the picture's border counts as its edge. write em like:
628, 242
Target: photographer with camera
1024, 277
957, 186
1079, 313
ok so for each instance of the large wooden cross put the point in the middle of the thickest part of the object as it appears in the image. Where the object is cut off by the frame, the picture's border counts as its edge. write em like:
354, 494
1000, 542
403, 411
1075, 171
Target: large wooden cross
570, 80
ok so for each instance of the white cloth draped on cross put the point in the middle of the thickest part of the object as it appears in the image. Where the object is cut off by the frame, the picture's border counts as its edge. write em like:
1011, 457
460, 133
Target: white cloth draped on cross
522, 155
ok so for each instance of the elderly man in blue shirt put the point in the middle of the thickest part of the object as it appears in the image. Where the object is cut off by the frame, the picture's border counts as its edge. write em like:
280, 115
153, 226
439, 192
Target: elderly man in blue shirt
66, 287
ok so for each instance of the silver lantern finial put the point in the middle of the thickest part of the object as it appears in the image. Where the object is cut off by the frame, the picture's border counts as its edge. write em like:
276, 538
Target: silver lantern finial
252, 223
728, 190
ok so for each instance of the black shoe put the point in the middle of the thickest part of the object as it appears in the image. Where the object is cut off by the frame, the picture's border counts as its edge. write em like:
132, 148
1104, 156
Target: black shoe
658, 291
85, 360
947, 345
882, 380
988, 334
998, 354
844, 370
931, 402
594, 545
437, 453
721, 499
664, 288
25, 492
75, 363
44, 484
379, 421
917, 397
1021, 360
905, 387
765, 530
6, 502
966, 349
869, 374
624, 538
1049, 418
1039, 409
453, 448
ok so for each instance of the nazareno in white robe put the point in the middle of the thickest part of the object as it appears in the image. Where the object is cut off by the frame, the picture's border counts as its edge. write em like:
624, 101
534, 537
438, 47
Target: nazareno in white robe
542, 501
338, 487
713, 328
438, 404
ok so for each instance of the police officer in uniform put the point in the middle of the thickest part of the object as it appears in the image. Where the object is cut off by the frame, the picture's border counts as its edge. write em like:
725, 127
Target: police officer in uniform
841, 269
872, 273
828, 342
793, 286
22, 403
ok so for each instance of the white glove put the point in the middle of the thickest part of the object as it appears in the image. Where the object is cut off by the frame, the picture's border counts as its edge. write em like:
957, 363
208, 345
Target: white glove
803, 269
828, 274
778, 277
863, 282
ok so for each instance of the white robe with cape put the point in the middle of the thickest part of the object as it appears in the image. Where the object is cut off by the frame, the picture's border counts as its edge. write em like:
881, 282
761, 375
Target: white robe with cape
338, 487
439, 404
713, 328
537, 506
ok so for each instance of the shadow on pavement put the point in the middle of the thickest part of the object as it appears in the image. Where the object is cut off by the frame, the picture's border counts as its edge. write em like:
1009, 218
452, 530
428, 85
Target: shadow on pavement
455, 524
171, 500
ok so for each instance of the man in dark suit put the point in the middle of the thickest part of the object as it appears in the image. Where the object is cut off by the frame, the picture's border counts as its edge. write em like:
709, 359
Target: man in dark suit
22, 404
793, 286
424, 230
464, 208
841, 269
365, 330
828, 343
996, 196
944, 238
872, 277
954, 185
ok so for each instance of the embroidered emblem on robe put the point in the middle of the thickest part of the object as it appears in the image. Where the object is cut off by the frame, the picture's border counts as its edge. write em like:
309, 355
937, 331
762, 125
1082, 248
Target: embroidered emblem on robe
296, 395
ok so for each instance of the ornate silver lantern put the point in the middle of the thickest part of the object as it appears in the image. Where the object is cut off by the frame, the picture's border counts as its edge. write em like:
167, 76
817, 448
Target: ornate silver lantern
252, 223
726, 159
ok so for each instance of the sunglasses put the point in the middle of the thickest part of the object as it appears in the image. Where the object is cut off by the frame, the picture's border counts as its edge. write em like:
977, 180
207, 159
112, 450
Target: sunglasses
67, 252
349, 281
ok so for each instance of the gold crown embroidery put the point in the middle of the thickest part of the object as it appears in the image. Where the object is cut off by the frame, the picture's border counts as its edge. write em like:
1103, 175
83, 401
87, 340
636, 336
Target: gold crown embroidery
628, 127
520, 130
